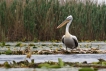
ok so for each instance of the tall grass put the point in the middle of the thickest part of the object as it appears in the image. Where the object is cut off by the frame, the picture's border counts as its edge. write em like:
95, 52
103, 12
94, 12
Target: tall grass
26, 20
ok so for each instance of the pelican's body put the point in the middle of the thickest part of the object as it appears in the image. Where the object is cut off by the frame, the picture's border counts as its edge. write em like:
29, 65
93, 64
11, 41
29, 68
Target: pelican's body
69, 40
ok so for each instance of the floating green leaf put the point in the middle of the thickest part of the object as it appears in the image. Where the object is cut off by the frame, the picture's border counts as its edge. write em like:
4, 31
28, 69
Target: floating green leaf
8, 52
61, 63
86, 69
7, 65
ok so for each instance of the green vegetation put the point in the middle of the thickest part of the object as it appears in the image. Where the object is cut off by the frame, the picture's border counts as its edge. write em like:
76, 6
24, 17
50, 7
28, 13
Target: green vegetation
18, 44
2, 44
22, 50
31, 44
51, 64
33, 20
61, 63
46, 65
7, 65
86, 69
8, 52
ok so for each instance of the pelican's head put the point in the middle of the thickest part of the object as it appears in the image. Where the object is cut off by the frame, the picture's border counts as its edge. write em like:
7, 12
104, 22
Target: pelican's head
70, 17
67, 20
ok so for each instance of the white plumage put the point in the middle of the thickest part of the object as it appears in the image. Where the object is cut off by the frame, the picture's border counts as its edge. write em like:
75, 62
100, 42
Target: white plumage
69, 40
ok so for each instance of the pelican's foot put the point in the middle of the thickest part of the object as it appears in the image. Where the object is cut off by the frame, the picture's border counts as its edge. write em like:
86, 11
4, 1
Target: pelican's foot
67, 52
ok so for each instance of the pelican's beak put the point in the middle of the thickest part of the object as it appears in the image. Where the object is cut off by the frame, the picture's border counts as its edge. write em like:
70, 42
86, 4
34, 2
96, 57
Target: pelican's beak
63, 23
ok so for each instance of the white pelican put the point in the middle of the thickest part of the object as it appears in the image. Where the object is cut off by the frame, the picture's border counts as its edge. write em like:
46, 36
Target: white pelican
69, 40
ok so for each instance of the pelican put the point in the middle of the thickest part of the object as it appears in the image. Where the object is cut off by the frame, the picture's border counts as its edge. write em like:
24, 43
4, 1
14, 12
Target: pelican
69, 40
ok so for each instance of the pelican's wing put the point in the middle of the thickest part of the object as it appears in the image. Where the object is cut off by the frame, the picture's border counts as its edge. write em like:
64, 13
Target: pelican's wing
75, 40
63, 38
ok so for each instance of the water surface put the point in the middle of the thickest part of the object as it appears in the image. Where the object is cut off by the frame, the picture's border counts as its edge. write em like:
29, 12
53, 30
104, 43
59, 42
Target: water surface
42, 58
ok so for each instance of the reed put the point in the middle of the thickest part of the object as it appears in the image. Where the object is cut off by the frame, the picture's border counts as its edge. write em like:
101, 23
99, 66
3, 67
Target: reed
26, 20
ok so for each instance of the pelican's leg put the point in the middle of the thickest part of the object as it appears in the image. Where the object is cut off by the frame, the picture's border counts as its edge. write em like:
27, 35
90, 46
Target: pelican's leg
66, 48
71, 50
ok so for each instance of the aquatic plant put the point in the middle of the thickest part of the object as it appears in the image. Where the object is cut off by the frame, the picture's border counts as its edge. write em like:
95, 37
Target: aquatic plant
8, 52
7, 45
84, 66
60, 62
2, 44
87, 69
31, 44
35, 47
18, 44
7, 65
32, 61
28, 55
43, 45
58, 50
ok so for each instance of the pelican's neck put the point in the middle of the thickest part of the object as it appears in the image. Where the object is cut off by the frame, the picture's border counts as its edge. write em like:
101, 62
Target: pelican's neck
67, 27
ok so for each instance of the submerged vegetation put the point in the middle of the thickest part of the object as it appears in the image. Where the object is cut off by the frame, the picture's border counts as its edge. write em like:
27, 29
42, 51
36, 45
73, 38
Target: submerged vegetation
33, 20
94, 66
20, 48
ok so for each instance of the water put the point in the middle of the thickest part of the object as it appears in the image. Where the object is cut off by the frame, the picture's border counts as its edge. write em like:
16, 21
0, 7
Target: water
50, 45
37, 69
42, 58
66, 58
44, 69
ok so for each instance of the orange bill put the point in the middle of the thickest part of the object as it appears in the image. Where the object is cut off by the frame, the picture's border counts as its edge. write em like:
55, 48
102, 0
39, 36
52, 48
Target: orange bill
63, 23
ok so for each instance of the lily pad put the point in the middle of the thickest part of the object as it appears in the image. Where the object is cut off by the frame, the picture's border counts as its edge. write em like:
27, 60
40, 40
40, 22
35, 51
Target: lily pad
86, 69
